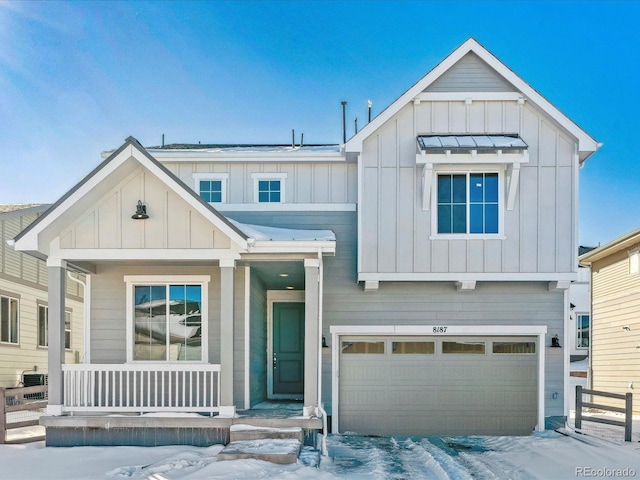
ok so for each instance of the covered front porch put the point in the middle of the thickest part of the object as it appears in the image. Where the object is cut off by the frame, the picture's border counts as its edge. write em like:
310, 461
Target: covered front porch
178, 303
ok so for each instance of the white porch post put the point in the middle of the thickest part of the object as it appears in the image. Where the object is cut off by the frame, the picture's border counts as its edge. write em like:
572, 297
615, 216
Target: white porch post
311, 335
227, 270
56, 270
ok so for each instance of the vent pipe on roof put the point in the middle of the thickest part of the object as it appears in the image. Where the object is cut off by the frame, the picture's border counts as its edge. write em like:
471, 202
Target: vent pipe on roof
355, 122
344, 121
293, 138
301, 139
163, 140
369, 104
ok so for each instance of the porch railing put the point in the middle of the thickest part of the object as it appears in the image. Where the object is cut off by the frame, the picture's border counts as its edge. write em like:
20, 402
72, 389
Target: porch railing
141, 388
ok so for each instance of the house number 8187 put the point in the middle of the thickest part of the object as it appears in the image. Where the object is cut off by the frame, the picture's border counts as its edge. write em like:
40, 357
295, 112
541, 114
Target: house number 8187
439, 329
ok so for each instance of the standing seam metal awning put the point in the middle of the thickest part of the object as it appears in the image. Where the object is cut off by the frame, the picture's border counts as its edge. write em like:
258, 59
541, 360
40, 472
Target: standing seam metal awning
485, 142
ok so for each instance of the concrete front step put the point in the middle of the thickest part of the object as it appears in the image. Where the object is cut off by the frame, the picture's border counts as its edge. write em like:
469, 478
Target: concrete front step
281, 451
242, 432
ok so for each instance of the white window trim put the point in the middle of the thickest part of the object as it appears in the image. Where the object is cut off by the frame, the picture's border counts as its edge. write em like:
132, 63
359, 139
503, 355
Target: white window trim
17, 299
578, 314
459, 169
222, 177
201, 280
634, 261
268, 176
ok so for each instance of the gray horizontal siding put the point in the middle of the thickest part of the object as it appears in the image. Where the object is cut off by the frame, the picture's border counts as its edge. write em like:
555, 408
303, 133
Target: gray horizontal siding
471, 74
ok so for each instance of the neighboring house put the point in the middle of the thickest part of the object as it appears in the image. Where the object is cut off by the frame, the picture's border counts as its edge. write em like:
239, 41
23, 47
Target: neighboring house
24, 309
579, 328
432, 255
615, 310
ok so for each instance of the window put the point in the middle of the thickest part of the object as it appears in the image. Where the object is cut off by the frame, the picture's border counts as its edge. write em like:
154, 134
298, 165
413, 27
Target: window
269, 187
583, 330
211, 190
468, 203
212, 187
167, 320
363, 347
463, 347
634, 262
514, 347
406, 348
43, 327
8, 319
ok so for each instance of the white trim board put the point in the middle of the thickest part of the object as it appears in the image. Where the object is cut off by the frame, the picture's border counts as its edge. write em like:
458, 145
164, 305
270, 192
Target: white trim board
338, 331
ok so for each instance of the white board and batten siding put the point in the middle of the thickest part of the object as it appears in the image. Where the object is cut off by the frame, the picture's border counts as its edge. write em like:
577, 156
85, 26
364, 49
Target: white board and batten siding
24, 278
538, 234
307, 183
172, 223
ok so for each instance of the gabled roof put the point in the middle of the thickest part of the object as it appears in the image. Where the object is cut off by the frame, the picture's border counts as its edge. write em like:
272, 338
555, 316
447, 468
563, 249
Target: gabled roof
27, 240
587, 145
621, 243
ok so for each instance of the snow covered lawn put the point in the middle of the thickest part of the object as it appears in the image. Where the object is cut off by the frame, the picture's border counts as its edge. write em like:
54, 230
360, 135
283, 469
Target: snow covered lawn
547, 456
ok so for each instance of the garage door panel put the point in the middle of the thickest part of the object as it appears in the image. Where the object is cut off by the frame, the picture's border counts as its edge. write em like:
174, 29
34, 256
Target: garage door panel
436, 393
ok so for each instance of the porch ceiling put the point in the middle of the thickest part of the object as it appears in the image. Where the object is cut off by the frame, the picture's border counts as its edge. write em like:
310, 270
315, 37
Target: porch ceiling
273, 274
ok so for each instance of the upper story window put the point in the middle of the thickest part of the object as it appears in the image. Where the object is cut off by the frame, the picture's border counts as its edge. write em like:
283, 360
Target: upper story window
212, 187
167, 318
8, 319
43, 327
269, 187
468, 203
582, 324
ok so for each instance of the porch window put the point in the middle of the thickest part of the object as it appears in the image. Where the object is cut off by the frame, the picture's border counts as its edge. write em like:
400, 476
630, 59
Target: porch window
8, 319
167, 320
43, 327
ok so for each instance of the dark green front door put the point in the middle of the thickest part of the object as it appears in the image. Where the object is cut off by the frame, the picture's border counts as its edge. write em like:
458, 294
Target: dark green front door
288, 349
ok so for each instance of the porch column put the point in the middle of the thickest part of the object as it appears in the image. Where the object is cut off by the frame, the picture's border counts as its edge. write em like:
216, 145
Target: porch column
56, 270
227, 270
311, 339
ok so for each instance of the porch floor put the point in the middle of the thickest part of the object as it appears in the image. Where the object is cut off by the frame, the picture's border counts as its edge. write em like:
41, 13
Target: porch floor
273, 409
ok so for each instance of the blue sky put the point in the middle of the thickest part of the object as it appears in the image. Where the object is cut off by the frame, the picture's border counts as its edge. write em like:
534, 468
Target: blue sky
77, 78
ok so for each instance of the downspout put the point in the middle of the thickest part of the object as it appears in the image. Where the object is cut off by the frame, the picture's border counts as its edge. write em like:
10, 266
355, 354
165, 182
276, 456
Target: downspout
86, 308
321, 410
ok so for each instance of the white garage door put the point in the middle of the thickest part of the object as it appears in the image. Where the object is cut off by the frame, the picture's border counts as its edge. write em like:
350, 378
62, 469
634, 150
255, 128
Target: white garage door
438, 386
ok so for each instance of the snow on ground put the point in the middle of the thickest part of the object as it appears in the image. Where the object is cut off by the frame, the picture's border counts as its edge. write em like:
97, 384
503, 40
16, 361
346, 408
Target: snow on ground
548, 455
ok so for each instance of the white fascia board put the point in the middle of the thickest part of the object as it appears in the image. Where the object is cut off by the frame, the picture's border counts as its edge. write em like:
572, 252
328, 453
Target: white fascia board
92, 254
586, 142
456, 277
434, 330
30, 240
285, 207
292, 247
179, 156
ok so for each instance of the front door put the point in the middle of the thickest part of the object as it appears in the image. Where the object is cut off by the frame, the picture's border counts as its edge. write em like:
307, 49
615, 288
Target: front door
288, 349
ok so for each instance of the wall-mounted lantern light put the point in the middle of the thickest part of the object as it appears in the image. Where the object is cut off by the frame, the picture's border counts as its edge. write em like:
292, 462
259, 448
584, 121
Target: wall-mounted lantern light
141, 212
555, 341
324, 342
